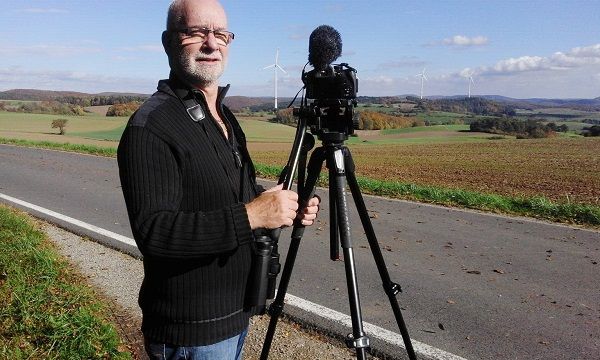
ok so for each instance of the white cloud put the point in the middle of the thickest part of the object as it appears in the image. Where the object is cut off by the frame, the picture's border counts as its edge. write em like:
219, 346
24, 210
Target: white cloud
575, 58
521, 64
465, 41
578, 56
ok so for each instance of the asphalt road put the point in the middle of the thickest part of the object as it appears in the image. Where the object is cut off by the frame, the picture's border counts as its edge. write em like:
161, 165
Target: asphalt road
476, 285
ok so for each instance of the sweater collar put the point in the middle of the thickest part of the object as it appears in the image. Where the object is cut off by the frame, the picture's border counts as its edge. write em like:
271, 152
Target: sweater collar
175, 87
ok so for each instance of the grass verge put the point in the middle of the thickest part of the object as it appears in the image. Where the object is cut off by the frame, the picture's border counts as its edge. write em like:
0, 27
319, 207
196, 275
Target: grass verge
537, 207
46, 312
86, 149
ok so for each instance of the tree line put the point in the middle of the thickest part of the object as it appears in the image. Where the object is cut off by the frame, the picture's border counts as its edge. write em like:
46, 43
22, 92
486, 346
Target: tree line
516, 127
474, 105
45, 107
366, 119
101, 100
62, 108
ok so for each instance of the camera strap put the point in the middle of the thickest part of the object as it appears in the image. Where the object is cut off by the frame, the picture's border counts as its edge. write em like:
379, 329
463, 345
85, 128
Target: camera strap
197, 113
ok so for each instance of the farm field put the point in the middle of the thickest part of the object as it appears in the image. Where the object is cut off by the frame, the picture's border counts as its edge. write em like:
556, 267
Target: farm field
561, 114
561, 168
574, 119
36, 127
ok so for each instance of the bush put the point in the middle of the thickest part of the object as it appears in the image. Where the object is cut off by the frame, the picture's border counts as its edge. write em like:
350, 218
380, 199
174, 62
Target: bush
286, 117
591, 131
126, 109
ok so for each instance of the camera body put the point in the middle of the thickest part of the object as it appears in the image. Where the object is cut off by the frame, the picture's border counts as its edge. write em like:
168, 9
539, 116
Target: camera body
335, 82
333, 94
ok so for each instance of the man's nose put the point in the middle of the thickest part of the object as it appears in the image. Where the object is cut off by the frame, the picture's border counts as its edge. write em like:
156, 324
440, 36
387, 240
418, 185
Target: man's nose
211, 42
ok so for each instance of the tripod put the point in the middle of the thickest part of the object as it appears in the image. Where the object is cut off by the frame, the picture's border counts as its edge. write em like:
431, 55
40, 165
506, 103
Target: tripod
341, 167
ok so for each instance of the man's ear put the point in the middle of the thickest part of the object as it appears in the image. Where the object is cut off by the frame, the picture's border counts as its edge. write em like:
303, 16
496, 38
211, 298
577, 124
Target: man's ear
166, 41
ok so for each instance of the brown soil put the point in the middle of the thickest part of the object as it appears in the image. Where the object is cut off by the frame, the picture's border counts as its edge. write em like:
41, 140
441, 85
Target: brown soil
564, 170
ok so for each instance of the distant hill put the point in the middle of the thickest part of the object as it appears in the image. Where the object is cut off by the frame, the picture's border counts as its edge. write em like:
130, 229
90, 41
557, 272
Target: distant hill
71, 97
38, 95
238, 103
536, 103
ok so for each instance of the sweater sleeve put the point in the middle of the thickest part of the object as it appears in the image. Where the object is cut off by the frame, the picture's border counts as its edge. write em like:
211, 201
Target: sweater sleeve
152, 187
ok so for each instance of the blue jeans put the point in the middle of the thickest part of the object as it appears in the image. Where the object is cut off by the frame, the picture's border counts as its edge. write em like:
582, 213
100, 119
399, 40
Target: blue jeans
229, 349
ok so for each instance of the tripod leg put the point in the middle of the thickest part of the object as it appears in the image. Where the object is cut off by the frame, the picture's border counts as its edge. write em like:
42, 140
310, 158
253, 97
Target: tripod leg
359, 340
276, 307
391, 289
334, 234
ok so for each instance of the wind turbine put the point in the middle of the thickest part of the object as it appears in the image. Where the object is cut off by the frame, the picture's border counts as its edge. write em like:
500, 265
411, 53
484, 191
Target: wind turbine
275, 67
471, 82
423, 79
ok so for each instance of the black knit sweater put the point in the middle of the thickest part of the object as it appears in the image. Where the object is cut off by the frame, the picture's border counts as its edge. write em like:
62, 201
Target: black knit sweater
185, 193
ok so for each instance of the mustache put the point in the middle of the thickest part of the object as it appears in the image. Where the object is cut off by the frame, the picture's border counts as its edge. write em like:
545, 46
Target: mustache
209, 56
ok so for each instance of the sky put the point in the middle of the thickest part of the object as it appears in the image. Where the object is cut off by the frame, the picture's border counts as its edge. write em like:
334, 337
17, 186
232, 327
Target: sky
519, 49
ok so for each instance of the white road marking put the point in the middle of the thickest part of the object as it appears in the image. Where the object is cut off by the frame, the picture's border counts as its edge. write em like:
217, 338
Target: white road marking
313, 308
81, 224
372, 331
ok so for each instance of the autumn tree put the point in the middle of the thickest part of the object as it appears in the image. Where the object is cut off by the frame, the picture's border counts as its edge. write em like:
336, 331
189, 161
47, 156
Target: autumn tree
371, 120
126, 109
59, 124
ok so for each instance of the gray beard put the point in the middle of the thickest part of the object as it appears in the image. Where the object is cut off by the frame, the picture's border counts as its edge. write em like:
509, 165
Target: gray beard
197, 74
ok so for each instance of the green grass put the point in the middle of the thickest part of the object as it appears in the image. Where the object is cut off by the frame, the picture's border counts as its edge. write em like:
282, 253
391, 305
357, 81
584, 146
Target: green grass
114, 134
40, 123
377, 108
45, 310
264, 131
86, 149
537, 207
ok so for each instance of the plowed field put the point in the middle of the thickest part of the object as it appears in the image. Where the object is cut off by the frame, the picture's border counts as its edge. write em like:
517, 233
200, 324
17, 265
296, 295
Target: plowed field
560, 169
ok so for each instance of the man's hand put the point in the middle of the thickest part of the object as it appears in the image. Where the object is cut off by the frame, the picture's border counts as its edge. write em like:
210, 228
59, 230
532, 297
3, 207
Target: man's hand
309, 214
273, 208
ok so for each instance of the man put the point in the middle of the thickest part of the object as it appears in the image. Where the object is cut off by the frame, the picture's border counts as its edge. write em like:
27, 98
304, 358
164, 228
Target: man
192, 198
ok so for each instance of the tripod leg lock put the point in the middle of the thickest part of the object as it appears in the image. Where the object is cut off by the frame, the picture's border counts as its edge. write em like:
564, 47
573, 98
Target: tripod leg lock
359, 343
392, 289
275, 309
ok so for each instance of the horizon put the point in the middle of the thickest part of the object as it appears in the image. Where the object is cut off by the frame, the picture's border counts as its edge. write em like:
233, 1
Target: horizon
429, 97
521, 50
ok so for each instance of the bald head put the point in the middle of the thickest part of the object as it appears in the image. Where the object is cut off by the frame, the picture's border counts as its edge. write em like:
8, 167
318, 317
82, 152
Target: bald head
181, 12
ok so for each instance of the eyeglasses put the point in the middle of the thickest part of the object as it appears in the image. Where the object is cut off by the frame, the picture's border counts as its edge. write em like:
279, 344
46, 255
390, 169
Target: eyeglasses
198, 34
